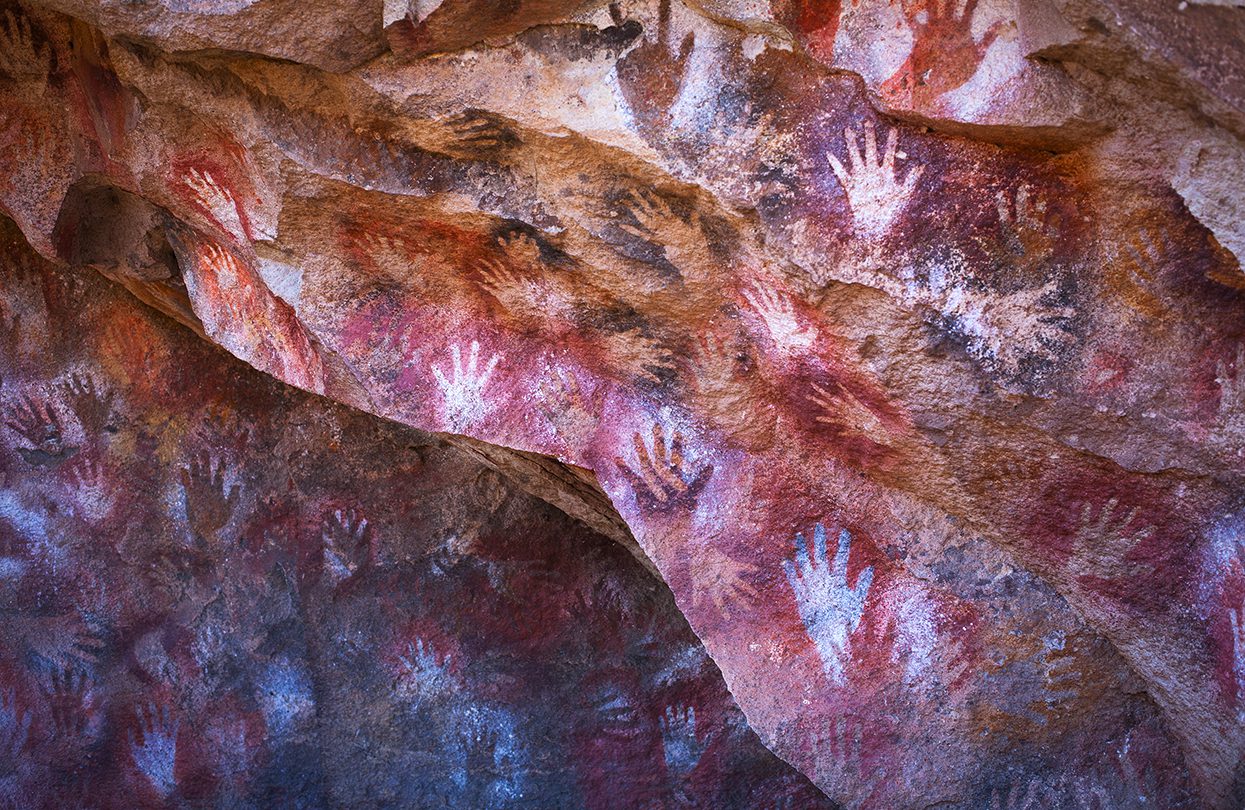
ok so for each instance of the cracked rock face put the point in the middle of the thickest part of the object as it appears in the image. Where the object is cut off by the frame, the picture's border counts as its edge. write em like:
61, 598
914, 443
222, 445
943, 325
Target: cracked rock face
905, 342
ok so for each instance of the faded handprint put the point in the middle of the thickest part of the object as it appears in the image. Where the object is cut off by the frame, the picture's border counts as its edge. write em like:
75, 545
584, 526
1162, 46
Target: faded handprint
1029, 234
14, 729
218, 201
425, 675
519, 293
953, 667
680, 746
64, 640
235, 756
724, 580
1230, 422
639, 354
495, 767
659, 478
651, 76
520, 248
92, 406
10, 329
1122, 784
19, 57
1134, 275
1237, 617
347, 543
683, 241
398, 344
616, 712
389, 254
572, 414
33, 153
916, 634
1007, 332
463, 390
25, 268
486, 764
127, 345
183, 575
234, 286
781, 321
155, 754
210, 647
482, 134
723, 381
92, 492
718, 365
40, 425
927, 657
844, 410
944, 54
208, 507
1062, 673
1031, 796
224, 428
852, 783
67, 698
1104, 540
830, 609
874, 192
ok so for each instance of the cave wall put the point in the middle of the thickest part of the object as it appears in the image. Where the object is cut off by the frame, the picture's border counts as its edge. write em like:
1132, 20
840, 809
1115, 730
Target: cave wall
219, 591
905, 339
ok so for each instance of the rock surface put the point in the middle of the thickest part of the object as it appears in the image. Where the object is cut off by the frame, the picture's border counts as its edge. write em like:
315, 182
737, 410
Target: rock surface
907, 340
222, 592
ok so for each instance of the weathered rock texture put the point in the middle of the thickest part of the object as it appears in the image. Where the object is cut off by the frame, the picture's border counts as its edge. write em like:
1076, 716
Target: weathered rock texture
906, 339
220, 592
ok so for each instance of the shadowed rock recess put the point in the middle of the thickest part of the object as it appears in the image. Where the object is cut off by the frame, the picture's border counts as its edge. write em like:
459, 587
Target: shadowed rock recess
659, 404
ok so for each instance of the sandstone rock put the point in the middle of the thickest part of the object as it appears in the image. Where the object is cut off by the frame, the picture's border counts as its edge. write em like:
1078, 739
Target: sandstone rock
905, 340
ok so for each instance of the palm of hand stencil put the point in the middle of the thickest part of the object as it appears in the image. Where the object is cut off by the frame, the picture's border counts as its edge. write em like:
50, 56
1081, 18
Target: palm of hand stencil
1135, 273
1029, 231
463, 387
425, 674
874, 191
790, 333
681, 747
218, 201
651, 74
1103, 541
19, 58
660, 477
683, 241
853, 782
155, 748
347, 543
830, 608
945, 54
209, 504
